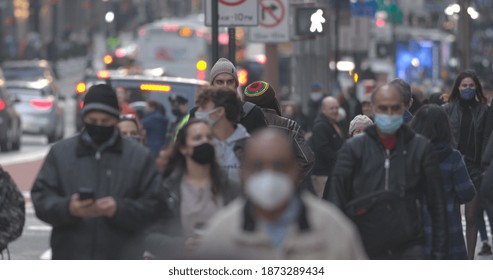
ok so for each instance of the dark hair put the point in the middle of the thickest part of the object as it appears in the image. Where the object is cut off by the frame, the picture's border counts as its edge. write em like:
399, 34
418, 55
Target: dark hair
404, 89
432, 122
177, 159
455, 94
157, 106
222, 97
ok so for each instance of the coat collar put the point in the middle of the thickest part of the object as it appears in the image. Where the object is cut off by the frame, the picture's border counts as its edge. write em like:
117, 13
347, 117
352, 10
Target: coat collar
85, 148
249, 223
404, 133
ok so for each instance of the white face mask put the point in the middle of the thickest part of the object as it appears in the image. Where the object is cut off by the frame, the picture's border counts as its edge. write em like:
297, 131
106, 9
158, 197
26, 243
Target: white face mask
269, 189
206, 116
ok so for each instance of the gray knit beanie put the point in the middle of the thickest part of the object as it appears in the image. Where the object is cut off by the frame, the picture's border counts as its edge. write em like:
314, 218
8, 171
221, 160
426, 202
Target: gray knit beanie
223, 66
358, 122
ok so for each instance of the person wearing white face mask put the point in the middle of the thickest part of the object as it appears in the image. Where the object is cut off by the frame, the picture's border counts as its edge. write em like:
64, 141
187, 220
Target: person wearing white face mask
274, 220
380, 179
220, 108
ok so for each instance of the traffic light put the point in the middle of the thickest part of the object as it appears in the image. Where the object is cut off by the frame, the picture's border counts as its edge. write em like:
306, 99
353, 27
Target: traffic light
310, 21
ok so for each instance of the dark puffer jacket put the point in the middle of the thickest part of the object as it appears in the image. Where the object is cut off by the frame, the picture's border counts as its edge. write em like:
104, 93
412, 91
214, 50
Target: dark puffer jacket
325, 142
125, 170
479, 113
412, 167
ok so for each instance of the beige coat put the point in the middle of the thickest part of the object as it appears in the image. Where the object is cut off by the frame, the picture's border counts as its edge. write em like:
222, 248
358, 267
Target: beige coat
330, 236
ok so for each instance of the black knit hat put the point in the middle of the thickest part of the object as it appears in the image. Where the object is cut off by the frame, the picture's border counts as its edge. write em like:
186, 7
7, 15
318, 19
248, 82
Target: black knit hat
101, 98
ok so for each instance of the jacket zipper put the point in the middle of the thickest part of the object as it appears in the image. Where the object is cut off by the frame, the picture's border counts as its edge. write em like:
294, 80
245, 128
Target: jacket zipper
387, 168
95, 232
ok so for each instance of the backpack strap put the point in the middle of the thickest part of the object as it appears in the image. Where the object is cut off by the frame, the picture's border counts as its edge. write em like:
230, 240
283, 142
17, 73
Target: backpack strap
247, 108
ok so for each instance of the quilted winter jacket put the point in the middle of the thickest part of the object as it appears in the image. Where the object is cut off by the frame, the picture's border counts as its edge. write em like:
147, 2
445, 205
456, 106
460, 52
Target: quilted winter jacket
363, 167
125, 171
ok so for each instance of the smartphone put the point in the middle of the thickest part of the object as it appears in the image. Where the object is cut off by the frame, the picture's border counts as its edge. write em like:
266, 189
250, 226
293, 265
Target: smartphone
86, 194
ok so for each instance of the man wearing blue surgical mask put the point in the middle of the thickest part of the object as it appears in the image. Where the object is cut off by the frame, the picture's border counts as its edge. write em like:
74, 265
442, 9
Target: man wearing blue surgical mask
275, 220
380, 179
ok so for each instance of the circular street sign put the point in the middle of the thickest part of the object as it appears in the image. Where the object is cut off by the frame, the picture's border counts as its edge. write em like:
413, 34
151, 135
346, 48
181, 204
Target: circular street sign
232, 2
273, 14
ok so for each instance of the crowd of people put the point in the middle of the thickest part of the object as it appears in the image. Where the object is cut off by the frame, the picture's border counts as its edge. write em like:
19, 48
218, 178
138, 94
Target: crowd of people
245, 176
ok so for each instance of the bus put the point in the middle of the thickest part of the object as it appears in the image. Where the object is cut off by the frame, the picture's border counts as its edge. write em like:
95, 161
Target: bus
181, 46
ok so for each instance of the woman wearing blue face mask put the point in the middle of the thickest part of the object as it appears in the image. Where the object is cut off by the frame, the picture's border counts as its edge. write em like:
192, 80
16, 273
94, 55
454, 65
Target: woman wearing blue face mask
467, 111
196, 188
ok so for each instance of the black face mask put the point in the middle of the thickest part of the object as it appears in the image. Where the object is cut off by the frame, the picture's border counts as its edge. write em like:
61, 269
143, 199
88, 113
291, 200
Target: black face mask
99, 134
176, 112
203, 153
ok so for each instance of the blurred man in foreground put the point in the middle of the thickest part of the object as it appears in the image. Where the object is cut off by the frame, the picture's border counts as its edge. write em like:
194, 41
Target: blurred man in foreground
275, 220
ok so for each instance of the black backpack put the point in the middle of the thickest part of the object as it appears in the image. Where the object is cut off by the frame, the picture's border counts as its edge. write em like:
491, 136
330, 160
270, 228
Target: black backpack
12, 211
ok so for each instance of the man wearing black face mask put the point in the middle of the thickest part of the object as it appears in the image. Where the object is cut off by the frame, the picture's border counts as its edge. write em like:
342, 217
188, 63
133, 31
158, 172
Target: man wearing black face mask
98, 190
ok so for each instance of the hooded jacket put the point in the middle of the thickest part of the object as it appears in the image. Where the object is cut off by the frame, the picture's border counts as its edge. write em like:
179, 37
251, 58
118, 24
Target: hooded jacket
230, 152
364, 167
125, 170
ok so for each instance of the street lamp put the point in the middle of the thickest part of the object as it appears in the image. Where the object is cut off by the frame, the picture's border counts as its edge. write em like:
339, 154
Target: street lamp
109, 17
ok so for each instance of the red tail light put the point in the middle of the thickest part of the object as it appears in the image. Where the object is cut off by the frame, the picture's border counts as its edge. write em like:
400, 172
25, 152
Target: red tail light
81, 104
41, 104
120, 53
2, 105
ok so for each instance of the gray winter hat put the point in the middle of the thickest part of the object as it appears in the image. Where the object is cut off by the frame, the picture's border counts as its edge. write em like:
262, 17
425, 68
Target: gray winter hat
223, 66
358, 122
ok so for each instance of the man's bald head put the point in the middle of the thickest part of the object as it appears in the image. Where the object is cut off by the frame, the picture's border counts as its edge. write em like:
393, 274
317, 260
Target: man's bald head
386, 89
387, 100
330, 108
269, 149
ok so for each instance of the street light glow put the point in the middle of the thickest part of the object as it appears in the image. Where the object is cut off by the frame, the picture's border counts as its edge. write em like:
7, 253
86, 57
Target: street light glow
472, 12
109, 17
452, 9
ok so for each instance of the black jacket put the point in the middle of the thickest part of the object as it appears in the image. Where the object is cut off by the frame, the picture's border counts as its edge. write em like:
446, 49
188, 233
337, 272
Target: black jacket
125, 171
304, 153
479, 113
325, 143
360, 170
165, 239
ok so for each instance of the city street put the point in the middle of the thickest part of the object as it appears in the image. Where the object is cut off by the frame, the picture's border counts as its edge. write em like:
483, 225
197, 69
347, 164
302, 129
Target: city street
24, 165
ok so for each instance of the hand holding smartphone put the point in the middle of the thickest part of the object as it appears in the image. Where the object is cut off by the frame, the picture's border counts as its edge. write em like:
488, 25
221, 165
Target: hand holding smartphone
85, 194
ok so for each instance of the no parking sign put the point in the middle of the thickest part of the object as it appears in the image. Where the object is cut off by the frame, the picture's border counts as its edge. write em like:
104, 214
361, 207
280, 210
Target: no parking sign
234, 12
274, 22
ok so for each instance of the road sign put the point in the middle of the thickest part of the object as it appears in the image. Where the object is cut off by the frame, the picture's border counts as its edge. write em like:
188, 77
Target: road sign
234, 13
274, 22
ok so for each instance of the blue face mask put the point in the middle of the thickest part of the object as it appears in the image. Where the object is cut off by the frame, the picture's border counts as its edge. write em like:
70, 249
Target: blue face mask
468, 93
388, 124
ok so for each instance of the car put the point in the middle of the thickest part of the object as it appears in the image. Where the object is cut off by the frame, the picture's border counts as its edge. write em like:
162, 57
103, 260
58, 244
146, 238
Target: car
10, 122
28, 70
39, 105
140, 88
